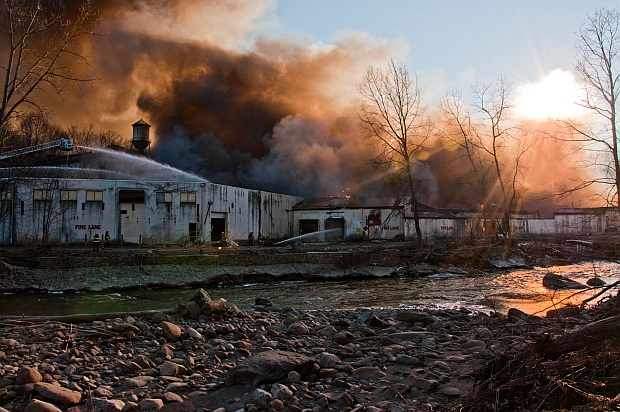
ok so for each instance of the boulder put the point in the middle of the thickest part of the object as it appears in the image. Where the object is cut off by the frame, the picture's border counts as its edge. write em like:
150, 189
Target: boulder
554, 281
214, 306
414, 316
596, 282
107, 405
299, 328
58, 394
200, 296
40, 406
268, 367
171, 369
172, 331
27, 375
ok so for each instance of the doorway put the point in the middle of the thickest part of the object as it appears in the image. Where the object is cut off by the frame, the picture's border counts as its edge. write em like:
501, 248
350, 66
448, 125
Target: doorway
218, 228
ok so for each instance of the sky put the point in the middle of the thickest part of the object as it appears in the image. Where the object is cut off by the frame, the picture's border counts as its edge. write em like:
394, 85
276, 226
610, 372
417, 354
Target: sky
453, 43
263, 93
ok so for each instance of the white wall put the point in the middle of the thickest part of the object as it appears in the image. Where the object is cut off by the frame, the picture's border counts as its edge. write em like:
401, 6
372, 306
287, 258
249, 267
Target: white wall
244, 211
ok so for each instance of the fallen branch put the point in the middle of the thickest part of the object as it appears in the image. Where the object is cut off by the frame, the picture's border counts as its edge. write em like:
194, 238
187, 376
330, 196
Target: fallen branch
595, 332
83, 318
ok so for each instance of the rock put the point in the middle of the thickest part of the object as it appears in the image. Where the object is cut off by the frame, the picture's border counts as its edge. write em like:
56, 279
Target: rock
404, 359
40, 406
107, 405
172, 369
343, 338
413, 316
280, 391
124, 327
565, 312
368, 373
58, 394
171, 331
277, 404
262, 302
553, 281
178, 387
299, 328
452, 391
268, 366
261, 397
103, 393
137, 382
194, 334
214, 306
294, 377
328, 360
150, 404
158, 316
200, 296
423, 383
328, 331
27, 374
515, 315
194, 309
169, 397
596, 282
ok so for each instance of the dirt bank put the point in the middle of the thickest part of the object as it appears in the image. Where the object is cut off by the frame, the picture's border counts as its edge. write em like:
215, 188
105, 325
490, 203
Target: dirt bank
80, 269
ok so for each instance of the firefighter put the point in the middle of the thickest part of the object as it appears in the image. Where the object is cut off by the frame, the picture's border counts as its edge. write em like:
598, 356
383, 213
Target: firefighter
106, 240
261, 240
96, 242
251, 239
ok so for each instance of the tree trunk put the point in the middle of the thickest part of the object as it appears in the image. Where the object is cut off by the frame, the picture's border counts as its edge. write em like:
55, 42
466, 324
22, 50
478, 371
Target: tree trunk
416, 220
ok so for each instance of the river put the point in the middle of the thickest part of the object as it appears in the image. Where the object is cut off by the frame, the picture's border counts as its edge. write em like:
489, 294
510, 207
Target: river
520, 289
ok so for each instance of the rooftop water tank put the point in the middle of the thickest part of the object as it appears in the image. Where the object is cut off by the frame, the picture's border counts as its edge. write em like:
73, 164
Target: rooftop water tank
141, 135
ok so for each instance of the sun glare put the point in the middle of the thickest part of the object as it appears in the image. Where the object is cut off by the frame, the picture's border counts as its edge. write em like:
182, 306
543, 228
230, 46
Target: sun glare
555, 96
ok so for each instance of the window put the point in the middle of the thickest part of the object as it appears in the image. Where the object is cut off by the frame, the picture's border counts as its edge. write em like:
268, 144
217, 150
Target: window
68, 195
6, 196
188, 197
94, 196
163, 197
41, 194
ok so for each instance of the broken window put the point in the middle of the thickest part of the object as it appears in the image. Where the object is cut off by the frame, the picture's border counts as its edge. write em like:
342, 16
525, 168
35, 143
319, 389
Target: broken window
131, 196
163, 197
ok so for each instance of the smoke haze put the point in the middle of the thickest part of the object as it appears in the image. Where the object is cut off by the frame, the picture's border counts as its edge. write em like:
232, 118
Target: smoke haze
237, 107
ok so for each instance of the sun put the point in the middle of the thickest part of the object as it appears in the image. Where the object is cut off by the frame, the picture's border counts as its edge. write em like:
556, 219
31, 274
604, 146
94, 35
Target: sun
553, 97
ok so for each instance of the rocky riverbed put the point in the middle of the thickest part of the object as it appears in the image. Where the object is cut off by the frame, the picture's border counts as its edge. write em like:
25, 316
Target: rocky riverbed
207, 355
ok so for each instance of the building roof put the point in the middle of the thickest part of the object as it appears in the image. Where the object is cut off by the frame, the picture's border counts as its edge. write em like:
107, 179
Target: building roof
346, 202
140, 123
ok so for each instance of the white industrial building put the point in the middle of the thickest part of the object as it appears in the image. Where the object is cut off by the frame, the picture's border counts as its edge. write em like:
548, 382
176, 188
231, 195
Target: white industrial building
71, 210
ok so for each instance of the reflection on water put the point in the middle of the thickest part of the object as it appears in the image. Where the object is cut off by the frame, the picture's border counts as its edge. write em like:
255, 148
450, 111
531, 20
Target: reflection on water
521, 289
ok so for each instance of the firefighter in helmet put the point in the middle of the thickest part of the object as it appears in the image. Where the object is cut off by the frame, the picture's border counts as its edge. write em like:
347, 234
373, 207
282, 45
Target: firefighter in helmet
96, 242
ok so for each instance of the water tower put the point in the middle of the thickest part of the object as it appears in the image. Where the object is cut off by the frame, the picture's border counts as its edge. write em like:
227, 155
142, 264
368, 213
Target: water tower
140, 139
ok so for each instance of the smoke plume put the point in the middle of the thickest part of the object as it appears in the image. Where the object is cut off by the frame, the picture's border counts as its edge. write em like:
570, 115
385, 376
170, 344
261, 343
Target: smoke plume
237, 107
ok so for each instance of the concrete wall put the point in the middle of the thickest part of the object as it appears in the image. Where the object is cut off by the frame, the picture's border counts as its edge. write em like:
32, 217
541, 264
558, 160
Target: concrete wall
165, 213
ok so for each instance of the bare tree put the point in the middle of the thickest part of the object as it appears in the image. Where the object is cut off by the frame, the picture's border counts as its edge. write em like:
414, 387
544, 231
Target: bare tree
494, 148
598, 53
40, 52
459, 135
393, 118
92, 138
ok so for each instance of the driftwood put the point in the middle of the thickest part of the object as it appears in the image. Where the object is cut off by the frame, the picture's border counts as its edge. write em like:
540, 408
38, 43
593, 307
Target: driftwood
595, 332
84, 318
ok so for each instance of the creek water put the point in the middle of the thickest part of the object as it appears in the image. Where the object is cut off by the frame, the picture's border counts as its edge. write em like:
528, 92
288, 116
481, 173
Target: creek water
521, 289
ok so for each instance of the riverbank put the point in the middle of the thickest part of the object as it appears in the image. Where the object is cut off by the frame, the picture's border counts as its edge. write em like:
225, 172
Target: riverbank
81, 269
210, 356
